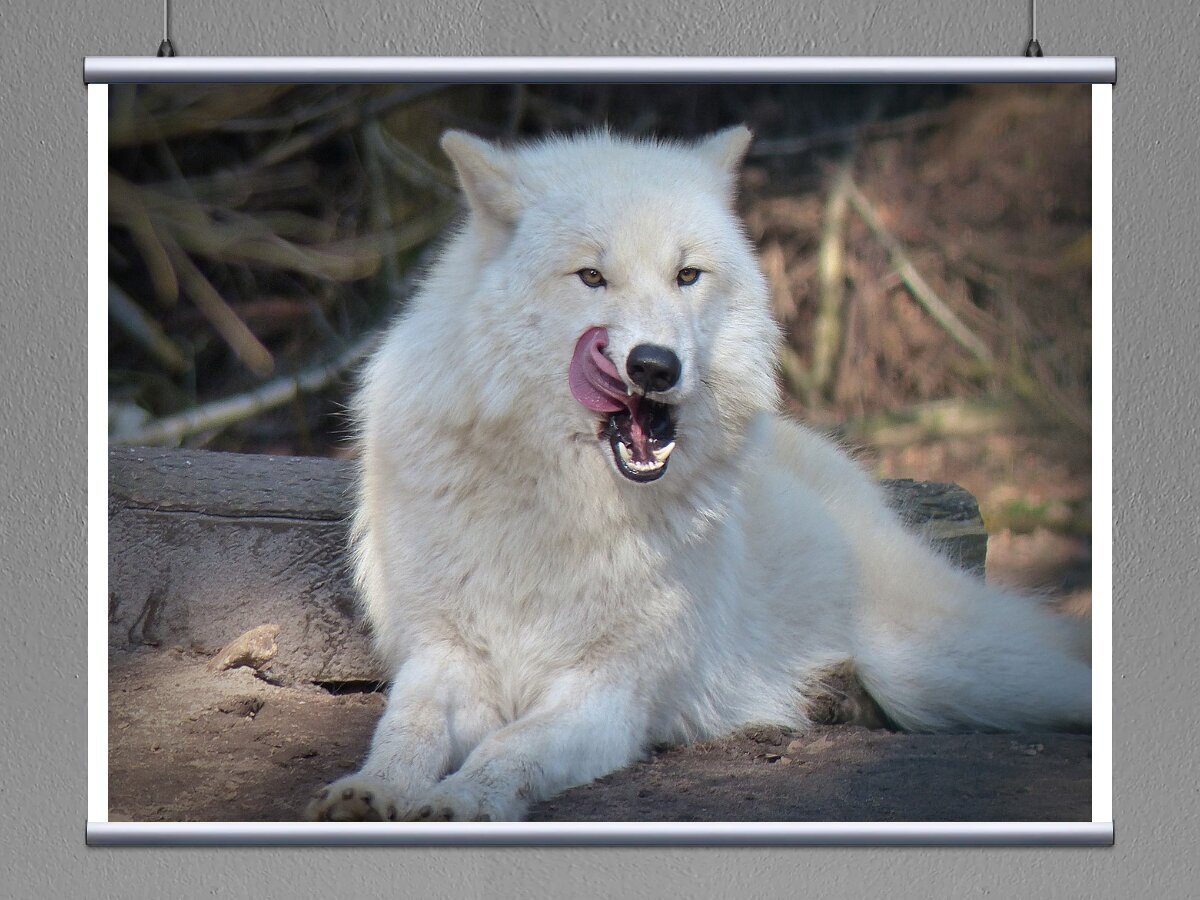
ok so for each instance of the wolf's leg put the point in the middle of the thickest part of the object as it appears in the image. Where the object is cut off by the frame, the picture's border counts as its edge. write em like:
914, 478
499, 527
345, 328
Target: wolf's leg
434, 716
585, 727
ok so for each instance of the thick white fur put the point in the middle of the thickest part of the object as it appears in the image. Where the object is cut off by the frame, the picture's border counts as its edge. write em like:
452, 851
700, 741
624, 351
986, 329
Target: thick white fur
547, 619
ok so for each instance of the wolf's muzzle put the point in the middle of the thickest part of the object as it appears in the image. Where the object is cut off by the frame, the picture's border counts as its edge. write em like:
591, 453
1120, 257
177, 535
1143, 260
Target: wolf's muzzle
639, 431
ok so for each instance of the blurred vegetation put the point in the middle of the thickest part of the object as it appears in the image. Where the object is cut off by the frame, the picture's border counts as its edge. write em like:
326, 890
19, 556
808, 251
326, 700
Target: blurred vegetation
928, 249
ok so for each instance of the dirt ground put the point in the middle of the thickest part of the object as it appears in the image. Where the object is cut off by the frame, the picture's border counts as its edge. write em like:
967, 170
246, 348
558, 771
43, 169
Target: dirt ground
186, 744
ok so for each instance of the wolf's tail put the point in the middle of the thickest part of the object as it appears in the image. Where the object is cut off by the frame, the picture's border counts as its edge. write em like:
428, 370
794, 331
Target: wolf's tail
941, 650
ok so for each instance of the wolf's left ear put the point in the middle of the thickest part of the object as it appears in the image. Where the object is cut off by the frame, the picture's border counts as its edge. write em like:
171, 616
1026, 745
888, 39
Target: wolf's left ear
487, 174
726, 149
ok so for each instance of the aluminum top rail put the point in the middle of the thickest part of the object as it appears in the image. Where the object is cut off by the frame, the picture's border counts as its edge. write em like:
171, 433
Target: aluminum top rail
623, 69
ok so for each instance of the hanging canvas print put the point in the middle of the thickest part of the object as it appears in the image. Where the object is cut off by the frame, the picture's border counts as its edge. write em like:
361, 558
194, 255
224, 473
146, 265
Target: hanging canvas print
600, 459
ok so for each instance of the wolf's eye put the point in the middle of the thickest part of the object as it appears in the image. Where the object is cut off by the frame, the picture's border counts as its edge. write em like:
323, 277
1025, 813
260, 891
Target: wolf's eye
687, 276
591, 278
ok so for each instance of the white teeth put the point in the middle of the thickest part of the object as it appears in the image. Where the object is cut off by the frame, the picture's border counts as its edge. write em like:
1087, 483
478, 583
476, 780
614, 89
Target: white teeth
662, 453
636, 466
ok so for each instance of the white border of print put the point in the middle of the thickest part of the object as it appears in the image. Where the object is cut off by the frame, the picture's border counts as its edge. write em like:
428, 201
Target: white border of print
1098, 832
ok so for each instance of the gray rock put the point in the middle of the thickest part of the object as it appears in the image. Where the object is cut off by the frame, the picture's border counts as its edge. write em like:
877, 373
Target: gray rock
203, 545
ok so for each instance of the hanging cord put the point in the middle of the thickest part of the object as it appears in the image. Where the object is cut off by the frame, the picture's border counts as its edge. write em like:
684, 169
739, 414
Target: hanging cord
1033, 48
166, 48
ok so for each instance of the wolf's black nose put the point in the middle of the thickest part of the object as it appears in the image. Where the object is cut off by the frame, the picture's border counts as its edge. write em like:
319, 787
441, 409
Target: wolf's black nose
653, 368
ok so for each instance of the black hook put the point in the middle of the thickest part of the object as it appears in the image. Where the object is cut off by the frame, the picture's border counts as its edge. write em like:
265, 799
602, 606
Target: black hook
1033, 48
166, 48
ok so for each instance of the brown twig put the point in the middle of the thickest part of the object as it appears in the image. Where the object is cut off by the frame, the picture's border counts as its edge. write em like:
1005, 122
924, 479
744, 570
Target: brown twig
270, 395
231, 410
241, 340
243, 238
916, 283
126, 207
831, 281
133, 320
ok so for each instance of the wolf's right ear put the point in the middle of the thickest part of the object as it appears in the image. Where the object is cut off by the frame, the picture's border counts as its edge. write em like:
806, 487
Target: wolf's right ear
727, 148
487, 175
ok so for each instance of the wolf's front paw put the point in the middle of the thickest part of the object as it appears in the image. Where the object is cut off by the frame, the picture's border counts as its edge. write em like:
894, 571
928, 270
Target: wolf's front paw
464, 802
357, 798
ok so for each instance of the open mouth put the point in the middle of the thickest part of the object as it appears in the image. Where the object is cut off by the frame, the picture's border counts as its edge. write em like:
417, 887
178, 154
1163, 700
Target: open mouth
640, 431
642, 438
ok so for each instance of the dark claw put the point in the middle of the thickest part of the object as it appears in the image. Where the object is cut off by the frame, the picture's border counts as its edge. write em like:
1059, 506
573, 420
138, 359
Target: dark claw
367, 798
391, 813
424, 812
447, 813
322, 793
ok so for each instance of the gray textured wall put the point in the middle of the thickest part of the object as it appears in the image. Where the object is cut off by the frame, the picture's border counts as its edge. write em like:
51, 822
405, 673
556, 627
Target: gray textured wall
42, 413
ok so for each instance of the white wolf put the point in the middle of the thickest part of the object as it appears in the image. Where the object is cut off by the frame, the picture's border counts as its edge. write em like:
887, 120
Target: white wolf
584, 529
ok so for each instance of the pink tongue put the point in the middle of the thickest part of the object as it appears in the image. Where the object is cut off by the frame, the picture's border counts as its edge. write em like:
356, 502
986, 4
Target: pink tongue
593, 378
